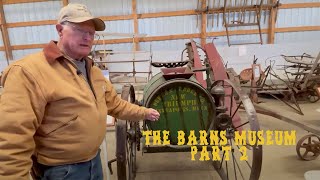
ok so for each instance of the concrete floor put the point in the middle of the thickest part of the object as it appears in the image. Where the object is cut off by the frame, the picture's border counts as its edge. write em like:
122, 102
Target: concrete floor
279, 162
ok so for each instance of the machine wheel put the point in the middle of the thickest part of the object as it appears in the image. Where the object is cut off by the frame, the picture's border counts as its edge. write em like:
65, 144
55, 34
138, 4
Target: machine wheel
313, 96
308, 147
311, 93
126, 145
242, 117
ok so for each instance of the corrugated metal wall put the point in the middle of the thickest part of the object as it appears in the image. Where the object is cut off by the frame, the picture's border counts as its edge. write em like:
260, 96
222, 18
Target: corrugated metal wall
152, 26
33, 34
298, 17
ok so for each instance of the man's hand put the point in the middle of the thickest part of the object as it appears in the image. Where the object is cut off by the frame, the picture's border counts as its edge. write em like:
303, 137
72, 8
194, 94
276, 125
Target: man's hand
152, 114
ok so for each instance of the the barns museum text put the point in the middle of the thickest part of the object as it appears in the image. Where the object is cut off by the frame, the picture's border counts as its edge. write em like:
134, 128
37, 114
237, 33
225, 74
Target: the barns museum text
218, 143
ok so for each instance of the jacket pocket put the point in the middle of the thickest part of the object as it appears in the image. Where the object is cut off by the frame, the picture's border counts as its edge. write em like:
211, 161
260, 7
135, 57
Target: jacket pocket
61, 126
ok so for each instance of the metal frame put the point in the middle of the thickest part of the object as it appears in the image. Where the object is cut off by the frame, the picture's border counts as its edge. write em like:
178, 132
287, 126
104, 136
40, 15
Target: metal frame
227, 108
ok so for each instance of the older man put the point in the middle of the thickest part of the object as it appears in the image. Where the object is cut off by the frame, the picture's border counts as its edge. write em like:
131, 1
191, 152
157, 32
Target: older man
54, 106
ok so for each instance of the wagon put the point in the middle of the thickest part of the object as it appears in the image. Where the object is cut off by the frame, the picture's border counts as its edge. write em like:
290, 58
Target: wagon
190, 101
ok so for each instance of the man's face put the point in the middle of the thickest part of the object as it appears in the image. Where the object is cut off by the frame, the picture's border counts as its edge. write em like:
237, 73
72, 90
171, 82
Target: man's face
76, 39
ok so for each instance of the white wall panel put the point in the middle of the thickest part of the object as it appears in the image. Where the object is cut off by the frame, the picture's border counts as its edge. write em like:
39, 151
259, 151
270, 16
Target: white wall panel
107, 7
24, 12
18, 54
3, 61
297, 37
151, 6
1, 40
169, 25
298, 17
32, 34
298, 1
168, 45
122, 26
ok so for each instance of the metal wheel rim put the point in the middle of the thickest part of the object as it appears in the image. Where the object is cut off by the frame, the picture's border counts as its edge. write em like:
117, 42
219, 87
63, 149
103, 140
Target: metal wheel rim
125, 147
301, 145
313, 96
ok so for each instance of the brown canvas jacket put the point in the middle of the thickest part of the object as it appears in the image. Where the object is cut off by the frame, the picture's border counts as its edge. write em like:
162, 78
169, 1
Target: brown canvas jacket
47, 109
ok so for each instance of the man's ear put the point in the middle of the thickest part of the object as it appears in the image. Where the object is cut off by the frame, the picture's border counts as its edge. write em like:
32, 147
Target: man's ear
59, 28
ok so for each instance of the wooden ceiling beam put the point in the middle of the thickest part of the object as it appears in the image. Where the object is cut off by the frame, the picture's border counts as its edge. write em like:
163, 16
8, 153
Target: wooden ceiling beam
21, 1
31, 23
184, 36
272, 24
297, 29
116, 18
5, 34
65, 2
167, 14
203, 33
135, 25
150, 15
300, 5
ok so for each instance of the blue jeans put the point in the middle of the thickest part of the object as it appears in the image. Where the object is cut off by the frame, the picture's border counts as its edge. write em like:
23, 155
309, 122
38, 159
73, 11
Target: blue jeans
90, 170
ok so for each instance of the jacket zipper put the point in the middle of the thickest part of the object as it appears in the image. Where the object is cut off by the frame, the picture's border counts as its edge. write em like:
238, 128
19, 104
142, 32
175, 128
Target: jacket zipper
87, 82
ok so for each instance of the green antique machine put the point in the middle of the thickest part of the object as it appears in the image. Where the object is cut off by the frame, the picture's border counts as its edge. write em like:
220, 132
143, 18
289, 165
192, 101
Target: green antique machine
196, 97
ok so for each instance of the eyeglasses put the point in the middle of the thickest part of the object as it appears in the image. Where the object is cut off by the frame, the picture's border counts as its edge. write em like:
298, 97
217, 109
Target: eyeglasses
92, 34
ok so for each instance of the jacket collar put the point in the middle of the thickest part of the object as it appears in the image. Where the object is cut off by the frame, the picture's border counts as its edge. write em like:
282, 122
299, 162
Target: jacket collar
53, 53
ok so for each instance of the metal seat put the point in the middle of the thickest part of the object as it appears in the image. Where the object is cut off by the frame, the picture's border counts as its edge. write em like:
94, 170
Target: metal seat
169, 64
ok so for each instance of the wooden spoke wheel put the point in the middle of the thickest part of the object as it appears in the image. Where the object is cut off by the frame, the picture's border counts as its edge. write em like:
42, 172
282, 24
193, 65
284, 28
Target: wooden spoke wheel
308, 147
243, 118
126, 145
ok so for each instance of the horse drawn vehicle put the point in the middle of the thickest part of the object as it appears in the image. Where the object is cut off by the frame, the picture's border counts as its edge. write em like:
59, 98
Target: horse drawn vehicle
189, 102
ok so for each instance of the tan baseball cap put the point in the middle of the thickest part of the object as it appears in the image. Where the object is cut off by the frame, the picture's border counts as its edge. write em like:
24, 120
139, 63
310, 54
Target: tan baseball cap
78, 13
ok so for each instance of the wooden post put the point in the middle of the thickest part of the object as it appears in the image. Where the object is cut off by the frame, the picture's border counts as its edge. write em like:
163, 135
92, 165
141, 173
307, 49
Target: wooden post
203, 33
4, 33
21, 1
272, 24
135, 25
65, 2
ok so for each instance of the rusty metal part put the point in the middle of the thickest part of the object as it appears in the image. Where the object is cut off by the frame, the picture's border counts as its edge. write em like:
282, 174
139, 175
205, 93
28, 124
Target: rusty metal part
169, 64
308, 147
126, 144
195, 61
251, 168
301, 83
313, 95
308, 77
308, 127
305, 150
234, 13
220, 73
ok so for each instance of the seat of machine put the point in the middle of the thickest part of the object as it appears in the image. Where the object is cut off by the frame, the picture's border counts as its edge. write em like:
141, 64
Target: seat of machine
169, 64
178, 72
